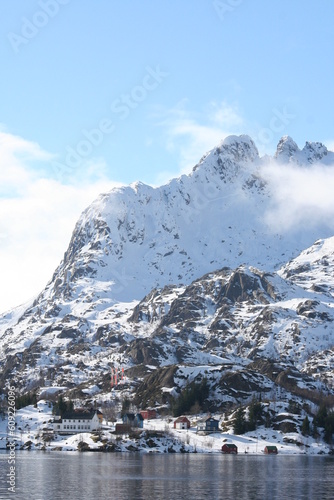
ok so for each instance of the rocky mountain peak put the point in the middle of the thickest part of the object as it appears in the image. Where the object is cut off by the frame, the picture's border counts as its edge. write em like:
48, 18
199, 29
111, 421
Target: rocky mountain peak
286, 148
241, 148
314, 151
288, 151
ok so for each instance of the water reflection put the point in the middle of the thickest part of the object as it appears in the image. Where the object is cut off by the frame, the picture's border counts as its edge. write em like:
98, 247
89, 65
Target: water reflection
119, 476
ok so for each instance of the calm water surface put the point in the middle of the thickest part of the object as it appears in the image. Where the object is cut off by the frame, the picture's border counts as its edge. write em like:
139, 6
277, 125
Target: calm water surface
120, 476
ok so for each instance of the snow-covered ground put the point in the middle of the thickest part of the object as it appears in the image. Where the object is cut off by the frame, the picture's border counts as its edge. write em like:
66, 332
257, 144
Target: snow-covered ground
157, 436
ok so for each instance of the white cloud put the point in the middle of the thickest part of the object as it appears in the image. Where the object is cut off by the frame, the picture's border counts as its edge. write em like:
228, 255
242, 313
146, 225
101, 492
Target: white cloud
329, 144
301, 196
16, 155
37, 216
190, 135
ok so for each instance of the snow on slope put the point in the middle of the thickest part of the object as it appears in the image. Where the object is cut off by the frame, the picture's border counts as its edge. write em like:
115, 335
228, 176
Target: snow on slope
313, 269
136, 238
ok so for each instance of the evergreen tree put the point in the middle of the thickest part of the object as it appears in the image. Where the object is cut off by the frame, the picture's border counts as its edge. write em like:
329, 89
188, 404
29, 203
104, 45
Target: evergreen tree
321, 416
314, 430
268, 419
329, 428
62, 406
239, 423
325, 419
192, 396
255, 414
125, 405
26, 400
306, 426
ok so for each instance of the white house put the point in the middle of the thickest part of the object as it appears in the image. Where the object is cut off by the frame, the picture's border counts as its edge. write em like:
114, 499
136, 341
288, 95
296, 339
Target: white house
75, 422
182, 423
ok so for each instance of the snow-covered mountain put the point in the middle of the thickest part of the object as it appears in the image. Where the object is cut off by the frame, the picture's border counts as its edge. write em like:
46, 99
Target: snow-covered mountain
188, 274
135, 238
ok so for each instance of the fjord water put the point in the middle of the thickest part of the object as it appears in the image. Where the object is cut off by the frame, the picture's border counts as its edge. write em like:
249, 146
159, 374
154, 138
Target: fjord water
59, 475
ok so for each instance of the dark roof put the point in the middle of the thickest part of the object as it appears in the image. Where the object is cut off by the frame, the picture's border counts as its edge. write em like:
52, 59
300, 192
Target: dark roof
95, 410
230, 445
132, 416
76, 415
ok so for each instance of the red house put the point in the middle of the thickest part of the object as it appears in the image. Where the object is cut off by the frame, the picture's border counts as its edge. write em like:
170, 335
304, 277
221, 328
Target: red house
148, 414
271, 450
122, 428
230, 448
182, 423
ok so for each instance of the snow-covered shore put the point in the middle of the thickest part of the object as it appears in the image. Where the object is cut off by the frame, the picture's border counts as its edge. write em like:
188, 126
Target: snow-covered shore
157, 436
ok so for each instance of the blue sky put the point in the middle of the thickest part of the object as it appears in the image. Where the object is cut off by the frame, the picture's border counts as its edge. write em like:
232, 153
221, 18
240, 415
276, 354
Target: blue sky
95, 93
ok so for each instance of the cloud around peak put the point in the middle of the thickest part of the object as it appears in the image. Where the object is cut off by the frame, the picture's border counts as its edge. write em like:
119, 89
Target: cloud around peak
301, 195
37, 215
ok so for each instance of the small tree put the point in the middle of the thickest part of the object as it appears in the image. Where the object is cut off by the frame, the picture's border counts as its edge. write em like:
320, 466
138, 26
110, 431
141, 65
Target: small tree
321, 416
255, 414
126, 403
268, 419
314, 430
62, 406
239, 423
329, 428
306, 426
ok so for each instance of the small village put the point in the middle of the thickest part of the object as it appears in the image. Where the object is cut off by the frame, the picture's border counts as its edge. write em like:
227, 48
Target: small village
145, 431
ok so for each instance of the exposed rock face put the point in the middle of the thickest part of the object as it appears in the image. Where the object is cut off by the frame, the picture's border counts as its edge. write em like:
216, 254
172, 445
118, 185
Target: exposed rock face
149, 392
